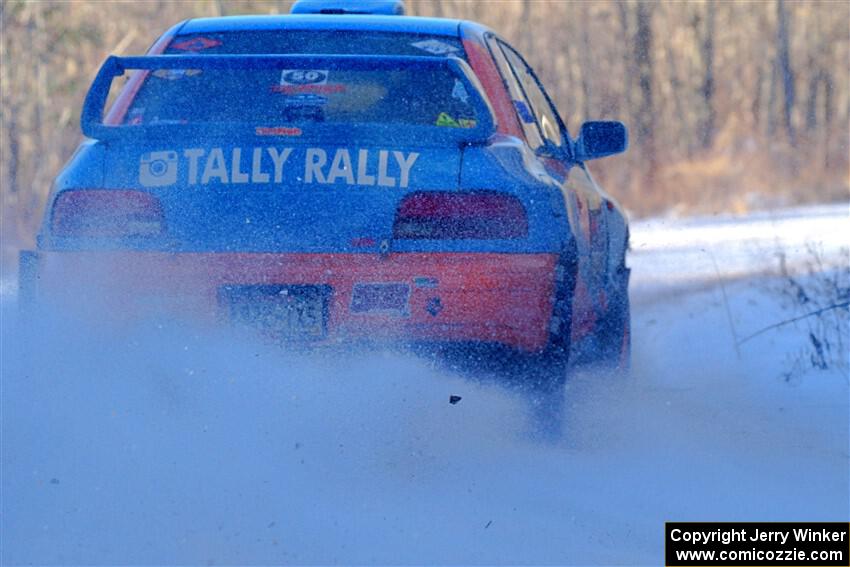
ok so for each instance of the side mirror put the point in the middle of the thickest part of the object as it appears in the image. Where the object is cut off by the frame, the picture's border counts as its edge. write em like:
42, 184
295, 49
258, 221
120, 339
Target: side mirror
601, 138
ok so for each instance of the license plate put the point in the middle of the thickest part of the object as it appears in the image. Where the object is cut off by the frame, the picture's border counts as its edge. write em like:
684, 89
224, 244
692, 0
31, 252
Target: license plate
282, 311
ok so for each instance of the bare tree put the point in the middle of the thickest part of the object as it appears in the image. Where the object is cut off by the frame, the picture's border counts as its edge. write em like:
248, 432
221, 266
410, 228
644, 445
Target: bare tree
645, 116
783, 54
707, 44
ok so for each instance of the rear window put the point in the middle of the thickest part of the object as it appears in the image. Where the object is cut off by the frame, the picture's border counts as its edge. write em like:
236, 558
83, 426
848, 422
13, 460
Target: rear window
268, 97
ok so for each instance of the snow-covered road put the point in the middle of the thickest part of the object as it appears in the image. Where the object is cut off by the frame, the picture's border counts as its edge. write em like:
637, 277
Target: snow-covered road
173, 446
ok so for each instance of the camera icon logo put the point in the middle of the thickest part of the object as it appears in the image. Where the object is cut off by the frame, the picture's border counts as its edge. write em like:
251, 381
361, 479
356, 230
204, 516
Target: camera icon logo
158, 168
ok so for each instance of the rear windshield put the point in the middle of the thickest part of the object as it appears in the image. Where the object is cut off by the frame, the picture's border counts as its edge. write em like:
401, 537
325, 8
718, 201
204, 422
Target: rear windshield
285, 97
282, 97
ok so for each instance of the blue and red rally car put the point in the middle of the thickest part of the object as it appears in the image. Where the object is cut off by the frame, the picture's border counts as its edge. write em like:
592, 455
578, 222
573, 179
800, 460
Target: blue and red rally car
338, 173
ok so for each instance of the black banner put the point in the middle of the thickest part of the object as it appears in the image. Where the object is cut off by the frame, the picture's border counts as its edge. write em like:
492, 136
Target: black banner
762, 544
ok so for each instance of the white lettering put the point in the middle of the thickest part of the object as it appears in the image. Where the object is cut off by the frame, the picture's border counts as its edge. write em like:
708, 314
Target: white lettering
363, 177
404, 165
215, 167
315, 160
236, 174
383, 178
193, 154
278, 159
212, 166
341, 167
257, 174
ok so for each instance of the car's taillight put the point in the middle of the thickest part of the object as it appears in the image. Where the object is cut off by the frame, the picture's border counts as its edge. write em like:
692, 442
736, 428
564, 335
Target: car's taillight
473, 215
106, 213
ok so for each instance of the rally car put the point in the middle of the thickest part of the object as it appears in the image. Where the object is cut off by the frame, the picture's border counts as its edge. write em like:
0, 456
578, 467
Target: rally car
339, 173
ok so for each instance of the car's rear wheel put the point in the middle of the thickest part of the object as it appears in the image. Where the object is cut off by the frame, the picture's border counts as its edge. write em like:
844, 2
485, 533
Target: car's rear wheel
613, 335
551, 365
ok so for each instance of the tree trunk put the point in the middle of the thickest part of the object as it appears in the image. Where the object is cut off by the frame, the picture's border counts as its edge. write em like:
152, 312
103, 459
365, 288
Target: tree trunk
771, 101
586, 63
827, 119
784, 62
707, 91
646, 114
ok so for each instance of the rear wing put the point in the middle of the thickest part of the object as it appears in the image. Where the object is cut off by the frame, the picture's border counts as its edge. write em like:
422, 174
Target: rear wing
93, 109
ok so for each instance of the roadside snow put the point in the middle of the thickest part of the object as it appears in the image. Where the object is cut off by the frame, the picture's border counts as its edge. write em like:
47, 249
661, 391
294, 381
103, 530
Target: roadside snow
668, 254
167, 445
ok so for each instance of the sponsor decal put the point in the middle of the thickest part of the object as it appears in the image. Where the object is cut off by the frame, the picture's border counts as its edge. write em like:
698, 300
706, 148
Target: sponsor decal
459, 92
277, 131
303, 77
264, 165
330, 88
196, 44
446, 120
391, 298
305, 100
158, 168
436, 47
174, 74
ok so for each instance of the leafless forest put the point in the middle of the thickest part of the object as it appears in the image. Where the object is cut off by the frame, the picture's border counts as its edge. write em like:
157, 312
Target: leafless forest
731, 105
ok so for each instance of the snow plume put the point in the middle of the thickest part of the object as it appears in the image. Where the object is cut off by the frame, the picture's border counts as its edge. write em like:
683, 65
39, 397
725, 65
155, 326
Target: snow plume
164, 444
161, 443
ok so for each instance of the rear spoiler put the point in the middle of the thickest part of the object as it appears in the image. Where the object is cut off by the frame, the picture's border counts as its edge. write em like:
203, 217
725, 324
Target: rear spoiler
92, 124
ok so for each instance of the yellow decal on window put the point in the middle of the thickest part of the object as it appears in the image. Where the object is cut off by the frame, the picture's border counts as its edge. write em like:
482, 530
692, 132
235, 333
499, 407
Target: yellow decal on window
445, 120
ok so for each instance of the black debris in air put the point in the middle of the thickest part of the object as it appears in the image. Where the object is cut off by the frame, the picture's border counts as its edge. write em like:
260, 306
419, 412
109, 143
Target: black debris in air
454, 399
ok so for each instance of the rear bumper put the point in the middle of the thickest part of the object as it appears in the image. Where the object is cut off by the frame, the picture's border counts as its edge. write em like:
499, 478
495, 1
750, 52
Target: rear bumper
499, 298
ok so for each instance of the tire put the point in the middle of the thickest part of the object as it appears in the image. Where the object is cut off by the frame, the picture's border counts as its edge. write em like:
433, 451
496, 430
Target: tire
551, 365
560, 327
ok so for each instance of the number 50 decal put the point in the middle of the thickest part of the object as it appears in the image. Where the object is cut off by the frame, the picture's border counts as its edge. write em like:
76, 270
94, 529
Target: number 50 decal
303, 77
